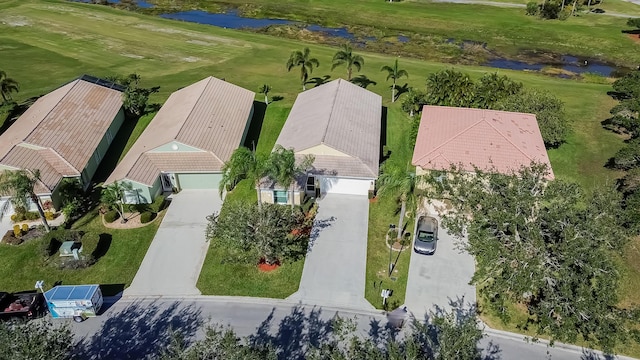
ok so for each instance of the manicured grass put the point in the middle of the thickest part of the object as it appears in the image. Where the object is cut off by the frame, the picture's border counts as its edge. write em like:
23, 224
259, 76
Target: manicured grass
506, 30
24, 264
236, 279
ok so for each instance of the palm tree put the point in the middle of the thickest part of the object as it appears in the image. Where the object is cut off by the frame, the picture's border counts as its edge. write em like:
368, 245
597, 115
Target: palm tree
243, 164
395, 74
306, 64
7, 86
346, 56
264, 89
20, 184
283, 169
113, 197
401, 183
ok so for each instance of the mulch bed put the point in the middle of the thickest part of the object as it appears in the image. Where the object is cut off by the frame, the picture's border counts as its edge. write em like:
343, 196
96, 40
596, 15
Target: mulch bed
264, 267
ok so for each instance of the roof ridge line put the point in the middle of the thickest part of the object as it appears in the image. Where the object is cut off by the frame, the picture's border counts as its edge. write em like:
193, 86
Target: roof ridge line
192, 108
450, 139
333, 105
509, 141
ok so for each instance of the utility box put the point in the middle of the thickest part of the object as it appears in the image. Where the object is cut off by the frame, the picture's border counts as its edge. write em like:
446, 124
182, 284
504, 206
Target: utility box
74, 301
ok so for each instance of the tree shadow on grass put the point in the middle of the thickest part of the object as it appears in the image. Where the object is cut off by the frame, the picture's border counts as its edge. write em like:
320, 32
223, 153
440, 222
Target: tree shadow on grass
104, 243
139, 331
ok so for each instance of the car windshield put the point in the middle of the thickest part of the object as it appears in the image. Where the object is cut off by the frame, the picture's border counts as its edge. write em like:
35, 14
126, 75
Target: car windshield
425, 236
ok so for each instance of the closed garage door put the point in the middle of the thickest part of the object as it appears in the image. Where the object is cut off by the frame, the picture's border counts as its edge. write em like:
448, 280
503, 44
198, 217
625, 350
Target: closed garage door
198, 181
333, 185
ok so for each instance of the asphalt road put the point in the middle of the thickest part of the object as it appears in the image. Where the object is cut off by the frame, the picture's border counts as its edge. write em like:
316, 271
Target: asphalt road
132, 328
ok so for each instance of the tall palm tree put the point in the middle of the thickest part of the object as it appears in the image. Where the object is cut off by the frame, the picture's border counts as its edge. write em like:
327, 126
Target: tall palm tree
346, 56
7, 86
283, 168
395, 74
264, 89
112, 197
243, 164
20, 184
305, 62
402, 184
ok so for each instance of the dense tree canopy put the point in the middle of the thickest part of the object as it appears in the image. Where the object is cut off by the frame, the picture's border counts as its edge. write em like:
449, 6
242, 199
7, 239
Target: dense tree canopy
34, 340
543, 244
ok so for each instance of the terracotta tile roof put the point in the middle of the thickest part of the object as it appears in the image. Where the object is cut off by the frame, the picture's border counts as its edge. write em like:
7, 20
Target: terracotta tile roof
342, 116
210, 115
476, 137
65, 126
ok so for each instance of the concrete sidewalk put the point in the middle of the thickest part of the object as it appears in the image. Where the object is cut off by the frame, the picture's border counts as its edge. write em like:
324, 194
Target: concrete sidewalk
334, 270
173, 262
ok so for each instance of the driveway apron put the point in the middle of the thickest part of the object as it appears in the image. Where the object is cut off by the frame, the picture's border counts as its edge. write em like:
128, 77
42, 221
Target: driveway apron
173, 262
334, 269
441, 279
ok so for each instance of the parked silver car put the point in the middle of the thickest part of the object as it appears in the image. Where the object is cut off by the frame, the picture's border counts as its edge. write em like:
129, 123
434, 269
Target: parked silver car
425, 235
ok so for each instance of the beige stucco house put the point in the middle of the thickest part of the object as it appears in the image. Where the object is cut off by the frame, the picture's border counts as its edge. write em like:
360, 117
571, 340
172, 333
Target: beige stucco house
64, 134
188, 141
338, 123
492, 140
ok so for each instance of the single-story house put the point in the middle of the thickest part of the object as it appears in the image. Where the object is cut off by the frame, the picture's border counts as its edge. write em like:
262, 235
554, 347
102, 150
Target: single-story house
339, 123
492, 140
64, 134
188, 141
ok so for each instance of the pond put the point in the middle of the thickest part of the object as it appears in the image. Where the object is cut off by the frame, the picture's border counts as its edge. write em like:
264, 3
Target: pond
566, 63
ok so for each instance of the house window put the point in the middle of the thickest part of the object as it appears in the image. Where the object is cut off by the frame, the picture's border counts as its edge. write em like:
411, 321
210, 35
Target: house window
280, 197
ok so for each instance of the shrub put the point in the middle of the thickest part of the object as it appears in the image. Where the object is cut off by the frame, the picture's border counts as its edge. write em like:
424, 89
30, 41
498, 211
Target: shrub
159, 204
16, 230
15, 218
32, 215
532, 8
25, 228
49, 215
111, 216
147, 216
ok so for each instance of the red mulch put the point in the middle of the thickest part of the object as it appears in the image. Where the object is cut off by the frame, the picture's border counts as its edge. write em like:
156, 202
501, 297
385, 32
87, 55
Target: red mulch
634, 37
264, 267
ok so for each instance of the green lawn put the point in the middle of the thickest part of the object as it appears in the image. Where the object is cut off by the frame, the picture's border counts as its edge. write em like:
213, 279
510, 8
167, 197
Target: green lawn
24, 264
48, 43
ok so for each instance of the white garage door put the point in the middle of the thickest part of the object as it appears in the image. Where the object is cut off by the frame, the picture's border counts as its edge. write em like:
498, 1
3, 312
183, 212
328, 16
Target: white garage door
332, 185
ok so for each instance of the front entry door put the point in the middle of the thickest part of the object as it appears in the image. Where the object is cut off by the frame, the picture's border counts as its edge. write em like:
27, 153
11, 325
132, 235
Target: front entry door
167, 186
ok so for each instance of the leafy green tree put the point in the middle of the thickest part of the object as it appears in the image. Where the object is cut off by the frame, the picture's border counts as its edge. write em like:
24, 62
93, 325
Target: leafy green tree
283, 168
400, 183
634, 22
394, 73
533, 8
549, 111
266, 231
134, 98
628, 157
306, 63
414, 101
264, 89
492, 88
20, 185
112, 197
450, 88
345, 56
545, 245
35, 340
243, 164
7, 86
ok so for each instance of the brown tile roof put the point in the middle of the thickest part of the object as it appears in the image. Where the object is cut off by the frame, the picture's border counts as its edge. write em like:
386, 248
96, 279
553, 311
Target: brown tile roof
475, 137
150, 164
210, 115
342, 116
64, 126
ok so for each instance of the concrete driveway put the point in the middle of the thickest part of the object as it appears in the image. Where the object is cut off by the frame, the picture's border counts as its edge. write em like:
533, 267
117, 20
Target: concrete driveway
335, 266
436, 280
173, 262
